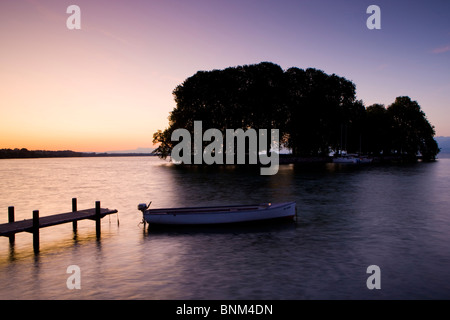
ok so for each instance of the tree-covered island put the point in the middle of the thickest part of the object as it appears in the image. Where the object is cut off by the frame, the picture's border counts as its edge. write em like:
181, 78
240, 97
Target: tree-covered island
314, 112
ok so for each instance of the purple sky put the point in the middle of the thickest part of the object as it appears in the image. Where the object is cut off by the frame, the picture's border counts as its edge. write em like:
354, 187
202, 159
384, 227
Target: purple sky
109, 85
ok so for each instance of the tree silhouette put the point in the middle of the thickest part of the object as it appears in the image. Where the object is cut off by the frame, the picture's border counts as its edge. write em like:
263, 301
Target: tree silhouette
314, 112
377, 130
323, 112
411, 131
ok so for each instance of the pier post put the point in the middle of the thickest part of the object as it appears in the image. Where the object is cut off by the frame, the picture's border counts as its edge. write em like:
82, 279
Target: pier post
12, 238
97, 219
74, 209
36, 231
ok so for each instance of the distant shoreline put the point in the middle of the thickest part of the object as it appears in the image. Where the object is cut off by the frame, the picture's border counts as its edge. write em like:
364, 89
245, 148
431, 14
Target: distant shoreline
37, 154
284, 159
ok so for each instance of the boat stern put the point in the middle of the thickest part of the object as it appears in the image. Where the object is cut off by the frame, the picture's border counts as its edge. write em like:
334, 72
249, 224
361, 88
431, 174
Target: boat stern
143, 207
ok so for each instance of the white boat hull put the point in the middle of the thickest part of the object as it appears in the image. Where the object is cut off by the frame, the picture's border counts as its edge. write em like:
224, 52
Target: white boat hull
352, 159
219, 215
345, 160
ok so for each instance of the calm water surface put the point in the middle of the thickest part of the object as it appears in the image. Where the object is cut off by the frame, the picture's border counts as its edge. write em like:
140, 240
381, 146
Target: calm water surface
396, 217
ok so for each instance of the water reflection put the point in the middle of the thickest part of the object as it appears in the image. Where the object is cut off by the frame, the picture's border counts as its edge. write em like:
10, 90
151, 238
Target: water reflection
349, 217
241, 228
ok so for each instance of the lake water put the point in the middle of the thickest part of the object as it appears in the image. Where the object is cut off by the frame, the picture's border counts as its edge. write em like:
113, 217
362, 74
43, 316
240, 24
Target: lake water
349, 217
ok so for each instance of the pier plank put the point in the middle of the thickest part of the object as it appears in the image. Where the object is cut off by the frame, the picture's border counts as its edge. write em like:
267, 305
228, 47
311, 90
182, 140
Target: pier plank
8, 229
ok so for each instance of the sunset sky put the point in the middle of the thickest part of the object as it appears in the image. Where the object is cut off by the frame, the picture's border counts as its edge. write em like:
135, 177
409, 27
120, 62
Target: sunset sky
109, 85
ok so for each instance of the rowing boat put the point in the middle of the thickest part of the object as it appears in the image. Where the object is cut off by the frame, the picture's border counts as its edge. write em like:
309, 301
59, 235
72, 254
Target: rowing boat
217, 214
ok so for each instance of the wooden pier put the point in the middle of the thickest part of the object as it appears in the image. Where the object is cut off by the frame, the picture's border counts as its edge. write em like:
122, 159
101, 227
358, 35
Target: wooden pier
33, 225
